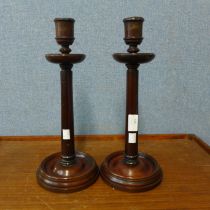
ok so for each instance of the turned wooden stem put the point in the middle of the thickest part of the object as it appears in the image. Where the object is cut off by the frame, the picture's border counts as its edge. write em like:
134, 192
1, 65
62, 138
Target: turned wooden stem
131, 127
67, 117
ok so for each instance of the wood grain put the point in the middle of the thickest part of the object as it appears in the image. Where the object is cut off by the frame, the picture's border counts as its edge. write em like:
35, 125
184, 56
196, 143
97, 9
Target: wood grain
186, 183
98, 137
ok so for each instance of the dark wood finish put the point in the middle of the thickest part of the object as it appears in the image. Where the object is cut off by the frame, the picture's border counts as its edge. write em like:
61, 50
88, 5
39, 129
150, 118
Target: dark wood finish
133, 32
132, 58
131, 170
58, 177
131, 150
67, 171
185, 164
142, 176
67, 121
57, 58
64, 29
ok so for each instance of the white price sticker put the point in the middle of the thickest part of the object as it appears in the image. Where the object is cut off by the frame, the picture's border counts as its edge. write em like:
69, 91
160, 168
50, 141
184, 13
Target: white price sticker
132, 122
132, 138
66, 134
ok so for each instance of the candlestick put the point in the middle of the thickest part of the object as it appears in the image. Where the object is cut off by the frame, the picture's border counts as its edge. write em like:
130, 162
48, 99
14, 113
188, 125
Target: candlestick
67, 171
130, 170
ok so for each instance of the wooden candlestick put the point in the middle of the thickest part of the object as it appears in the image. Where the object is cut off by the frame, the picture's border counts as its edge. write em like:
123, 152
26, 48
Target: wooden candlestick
67, 171
131, 170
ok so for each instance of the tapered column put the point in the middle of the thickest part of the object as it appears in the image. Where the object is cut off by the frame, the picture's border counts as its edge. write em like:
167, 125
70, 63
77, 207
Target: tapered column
131, 127
67, 116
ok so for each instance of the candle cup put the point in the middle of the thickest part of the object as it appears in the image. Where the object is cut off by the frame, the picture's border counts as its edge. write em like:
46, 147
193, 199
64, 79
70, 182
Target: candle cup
133, 32
64, 29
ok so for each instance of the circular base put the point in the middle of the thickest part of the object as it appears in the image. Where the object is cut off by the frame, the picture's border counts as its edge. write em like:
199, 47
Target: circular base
143, 176
54, 176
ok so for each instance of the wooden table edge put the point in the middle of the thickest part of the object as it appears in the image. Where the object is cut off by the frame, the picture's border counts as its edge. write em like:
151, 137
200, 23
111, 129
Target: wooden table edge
180, 136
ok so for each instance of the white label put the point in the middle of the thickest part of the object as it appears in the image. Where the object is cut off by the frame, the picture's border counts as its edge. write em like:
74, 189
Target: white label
132, 138
66, 134
132, 122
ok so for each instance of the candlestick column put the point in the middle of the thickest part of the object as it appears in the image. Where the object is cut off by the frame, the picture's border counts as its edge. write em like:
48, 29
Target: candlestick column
131, 126
67, 120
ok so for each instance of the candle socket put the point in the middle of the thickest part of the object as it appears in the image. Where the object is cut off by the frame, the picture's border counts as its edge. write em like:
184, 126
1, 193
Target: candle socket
133, 32
64, 29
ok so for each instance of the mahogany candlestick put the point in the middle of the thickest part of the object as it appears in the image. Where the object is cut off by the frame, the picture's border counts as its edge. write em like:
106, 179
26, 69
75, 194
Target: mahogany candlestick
131, 170
69, 170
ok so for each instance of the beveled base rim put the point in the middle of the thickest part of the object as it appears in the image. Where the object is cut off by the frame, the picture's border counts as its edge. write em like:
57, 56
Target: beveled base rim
76, 181
130, 184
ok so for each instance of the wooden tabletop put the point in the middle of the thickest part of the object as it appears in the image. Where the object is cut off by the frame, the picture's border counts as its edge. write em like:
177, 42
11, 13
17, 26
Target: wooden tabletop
184, 159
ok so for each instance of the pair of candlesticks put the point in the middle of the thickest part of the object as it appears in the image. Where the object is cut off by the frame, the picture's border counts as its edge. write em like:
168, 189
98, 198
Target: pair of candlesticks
128, 170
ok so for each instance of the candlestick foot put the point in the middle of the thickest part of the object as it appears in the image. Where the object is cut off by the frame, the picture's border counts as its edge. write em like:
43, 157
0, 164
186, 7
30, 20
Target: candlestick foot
142, 176
54, 176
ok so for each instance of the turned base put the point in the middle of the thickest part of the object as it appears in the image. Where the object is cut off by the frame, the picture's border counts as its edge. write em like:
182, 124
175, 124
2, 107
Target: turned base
142, 176
54, 176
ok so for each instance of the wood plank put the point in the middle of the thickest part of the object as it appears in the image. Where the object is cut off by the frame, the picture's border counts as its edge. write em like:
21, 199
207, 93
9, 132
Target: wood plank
95, 137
